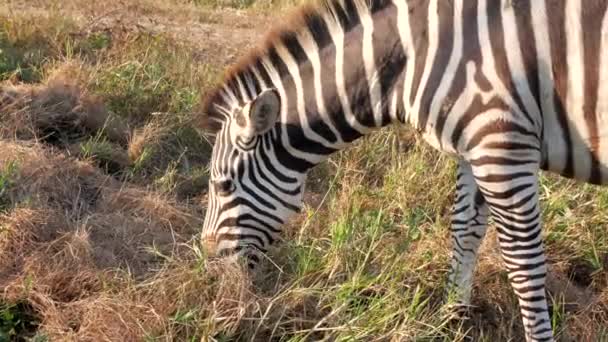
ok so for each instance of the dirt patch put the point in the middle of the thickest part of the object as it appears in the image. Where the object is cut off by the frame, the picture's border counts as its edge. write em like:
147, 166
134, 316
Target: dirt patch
218, 40
574, 295
219, 36
580, 273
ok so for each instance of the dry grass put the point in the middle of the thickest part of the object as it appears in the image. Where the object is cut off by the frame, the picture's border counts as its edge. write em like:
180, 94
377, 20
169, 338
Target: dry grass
102, 191
58, 110
69, 228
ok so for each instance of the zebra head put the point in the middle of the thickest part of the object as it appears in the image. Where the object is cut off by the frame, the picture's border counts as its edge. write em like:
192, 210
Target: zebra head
309, 90
250, 194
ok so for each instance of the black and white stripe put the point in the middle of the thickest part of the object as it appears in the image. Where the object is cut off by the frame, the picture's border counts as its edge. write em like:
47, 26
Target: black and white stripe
507, 86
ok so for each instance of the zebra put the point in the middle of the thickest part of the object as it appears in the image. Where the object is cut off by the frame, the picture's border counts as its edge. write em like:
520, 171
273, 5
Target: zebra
507, 87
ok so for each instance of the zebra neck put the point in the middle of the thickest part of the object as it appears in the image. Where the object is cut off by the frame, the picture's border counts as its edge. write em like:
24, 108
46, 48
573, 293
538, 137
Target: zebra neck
343, 80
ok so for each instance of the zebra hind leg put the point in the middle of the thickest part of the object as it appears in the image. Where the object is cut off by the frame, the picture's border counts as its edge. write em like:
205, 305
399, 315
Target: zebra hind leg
511, 192
469, 223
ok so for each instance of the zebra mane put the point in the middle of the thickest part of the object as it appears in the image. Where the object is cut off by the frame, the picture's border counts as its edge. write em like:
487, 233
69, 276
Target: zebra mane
342, 13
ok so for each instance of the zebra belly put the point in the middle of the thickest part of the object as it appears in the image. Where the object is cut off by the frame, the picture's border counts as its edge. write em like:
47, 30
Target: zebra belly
576, 154
573, 73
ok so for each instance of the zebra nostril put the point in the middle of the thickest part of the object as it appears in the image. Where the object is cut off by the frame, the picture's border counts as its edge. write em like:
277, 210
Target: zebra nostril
252, 257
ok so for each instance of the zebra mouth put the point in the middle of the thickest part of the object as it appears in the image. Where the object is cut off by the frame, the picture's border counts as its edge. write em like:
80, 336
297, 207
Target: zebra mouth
250, 254
247, 252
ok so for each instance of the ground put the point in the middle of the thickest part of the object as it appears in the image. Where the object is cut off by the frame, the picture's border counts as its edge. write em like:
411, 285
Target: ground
103, 189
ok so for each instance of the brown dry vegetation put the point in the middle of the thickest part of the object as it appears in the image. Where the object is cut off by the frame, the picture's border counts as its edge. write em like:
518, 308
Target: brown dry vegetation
102, 193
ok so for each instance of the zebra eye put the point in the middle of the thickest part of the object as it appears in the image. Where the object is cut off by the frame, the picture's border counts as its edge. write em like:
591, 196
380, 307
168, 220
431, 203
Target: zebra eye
224, 187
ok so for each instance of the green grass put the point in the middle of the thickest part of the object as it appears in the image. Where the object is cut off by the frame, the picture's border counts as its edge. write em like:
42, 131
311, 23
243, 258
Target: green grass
28, 44
7, 174
146, 79
153, 74
367, 261
16, 322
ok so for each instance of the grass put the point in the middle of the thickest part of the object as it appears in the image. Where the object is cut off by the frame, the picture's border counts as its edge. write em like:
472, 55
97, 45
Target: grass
17, 320
102, 191
6, 182
152, 75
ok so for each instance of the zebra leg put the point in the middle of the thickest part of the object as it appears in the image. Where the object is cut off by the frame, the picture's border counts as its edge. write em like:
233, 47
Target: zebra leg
469, 222
510, 187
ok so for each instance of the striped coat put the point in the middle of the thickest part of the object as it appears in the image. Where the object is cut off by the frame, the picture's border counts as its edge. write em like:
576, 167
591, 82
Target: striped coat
506, 87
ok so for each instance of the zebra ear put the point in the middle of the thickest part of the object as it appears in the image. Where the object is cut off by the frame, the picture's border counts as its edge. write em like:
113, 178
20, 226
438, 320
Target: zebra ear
264, 112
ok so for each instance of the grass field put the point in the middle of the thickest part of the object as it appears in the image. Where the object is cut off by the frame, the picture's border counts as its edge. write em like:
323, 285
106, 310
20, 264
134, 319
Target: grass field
103, 176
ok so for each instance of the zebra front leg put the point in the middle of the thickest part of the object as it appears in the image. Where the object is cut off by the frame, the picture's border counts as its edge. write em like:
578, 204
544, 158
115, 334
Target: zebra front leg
469, 223
511, 192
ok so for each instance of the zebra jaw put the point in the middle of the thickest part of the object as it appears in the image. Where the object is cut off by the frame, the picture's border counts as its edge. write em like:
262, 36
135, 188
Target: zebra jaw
248, 253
